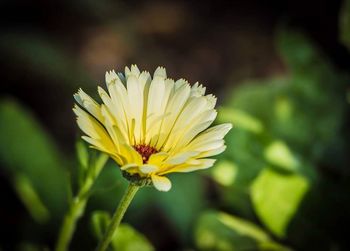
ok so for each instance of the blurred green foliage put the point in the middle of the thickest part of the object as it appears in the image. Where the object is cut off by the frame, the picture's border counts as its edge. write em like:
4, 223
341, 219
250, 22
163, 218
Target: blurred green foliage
30, 198
284, 129
217, 231
44, 58
276, 198
125, 238
284, 169
31, 158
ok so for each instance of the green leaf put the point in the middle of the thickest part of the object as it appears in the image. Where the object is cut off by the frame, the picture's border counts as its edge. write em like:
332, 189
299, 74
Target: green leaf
26, 149
241, 119
83, 154
218, 231
244, 153
224, 172
100, 221
255, 101
126, 238
83, 165
279, 154
88, 178
276, 198
283, 109
243, 227
99, 163
30, 198
298, 50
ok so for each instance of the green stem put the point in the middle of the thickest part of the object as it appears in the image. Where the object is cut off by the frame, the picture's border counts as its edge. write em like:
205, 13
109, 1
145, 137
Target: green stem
69, 223
118, 216
77, 206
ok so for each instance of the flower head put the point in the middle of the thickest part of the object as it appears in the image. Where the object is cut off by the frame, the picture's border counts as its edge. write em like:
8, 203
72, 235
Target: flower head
152, 126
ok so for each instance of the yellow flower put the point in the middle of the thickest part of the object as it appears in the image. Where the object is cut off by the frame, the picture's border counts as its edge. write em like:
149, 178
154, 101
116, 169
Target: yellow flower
152, 126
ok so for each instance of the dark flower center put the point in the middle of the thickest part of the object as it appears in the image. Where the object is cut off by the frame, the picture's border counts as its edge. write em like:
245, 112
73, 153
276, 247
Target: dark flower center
145, 151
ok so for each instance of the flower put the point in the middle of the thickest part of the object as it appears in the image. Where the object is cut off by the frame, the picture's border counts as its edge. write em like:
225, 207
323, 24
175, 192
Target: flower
152, 126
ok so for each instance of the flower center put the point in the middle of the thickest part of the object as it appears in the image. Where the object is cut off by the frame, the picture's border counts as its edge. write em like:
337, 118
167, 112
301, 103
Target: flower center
145, 151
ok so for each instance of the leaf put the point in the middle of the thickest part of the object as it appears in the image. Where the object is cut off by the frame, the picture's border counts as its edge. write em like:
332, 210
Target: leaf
283, 109
99, 163
224, 172
26, 149
83, 154
244, 151
241, 119
255, 101
279, 154
83, 165
125, 238
100, 221
276, 198
128, 239
218, 231
30, 198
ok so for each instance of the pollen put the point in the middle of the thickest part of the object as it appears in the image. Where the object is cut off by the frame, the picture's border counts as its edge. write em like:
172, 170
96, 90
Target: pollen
145, 151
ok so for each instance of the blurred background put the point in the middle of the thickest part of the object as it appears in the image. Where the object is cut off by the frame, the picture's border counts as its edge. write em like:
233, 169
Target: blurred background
281, 71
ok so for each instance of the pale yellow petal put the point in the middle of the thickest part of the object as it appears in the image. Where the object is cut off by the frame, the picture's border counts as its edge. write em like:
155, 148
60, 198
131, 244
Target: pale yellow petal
157, 158
135, 95
110, 77
99, 144
213, 133
211, 101
208, 145
160, 71
135, 70
127, 72
180, 83
89, 125
161, 183
194, 113
131, 154
198, 125
184, 168
147, 168
115, 105
128, 166
205, 163
181, 158
212, 152
145, 80
112, 128
88, 103
174, 107
197, 90
154, 107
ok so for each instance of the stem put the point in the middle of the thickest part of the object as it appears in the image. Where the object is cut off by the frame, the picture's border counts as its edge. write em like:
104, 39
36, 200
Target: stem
69, 223
118, 216
77, 206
